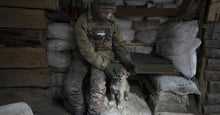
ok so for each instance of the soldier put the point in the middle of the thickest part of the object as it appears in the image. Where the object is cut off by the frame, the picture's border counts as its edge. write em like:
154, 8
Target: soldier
99, 40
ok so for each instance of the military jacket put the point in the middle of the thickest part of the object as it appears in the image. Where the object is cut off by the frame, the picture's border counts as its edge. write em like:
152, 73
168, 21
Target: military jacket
99, 42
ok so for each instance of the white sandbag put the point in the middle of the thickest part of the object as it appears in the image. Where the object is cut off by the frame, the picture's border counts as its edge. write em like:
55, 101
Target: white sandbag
171, 98
19, 108
166, 107
183, 31
135, 18
162, 20
147, 36
166, 5
172, 113
120, 3
136, 2
164, 1
134, 106
146, 25
140, 49
59, 45
174, 84
60, 31
128, 34
124, 23
59, 59
183, 55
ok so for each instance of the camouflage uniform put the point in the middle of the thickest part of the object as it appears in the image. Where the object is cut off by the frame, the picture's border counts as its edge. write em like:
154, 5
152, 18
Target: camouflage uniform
99, 41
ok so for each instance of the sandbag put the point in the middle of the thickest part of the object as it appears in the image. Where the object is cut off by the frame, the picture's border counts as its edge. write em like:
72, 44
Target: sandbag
174, 84
164, 1
59, 59
183, 31
140, 49
146, 25
135, 18
60, 31
147, 36
19, 108
172, 113
161, 20
124, 23
166, 5
59, 45
136, 2
128, 34
120, 3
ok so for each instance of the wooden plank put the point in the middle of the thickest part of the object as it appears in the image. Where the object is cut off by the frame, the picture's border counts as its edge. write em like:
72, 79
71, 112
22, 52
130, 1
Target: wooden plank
212, 43
213, 64
214, 10
142, 11
212, 53
41, 101
22, 18
213, 99
21, 37
211, 109
213, 87
212, 75
212, 35
24, 77
40, 4
23, 58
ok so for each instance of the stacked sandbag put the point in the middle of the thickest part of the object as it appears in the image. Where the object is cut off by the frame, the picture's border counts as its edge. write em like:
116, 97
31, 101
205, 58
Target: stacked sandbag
60, 43
171, 94
177, 42
163, 4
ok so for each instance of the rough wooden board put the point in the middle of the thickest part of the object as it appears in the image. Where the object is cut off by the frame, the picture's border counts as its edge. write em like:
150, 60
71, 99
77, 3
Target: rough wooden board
22, 18
212, 35
213, 99
213, 64
42, 101
211, 109
21, 37
24, 77
212, 53
213, 87
41, 4
22, 58
214, 10
212, 43
212, 75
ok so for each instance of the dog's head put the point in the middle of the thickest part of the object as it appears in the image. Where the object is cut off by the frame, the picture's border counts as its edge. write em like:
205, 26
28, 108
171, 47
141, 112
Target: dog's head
121, 74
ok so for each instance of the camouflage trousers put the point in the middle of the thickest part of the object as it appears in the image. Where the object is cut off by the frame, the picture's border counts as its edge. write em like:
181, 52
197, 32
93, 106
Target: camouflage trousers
74, 81
97, 91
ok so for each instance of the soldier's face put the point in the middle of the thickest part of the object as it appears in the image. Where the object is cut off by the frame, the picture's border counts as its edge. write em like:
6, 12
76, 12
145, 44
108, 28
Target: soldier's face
106, 15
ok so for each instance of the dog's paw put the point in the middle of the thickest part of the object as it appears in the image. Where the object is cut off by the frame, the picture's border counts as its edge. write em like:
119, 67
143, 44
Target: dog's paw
120, 107
126, 98
111, 103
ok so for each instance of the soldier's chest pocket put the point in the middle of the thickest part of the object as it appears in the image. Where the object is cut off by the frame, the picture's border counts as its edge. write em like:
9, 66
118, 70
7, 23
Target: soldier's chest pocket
102, 39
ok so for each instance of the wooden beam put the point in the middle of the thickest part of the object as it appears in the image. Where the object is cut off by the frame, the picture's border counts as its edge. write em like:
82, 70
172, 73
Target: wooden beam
21, 37
39, 4
24, 77
211, 109
214, 87
212, 53
142, 11
212, 43
212, 75
208, 35
23, 58
213, 64
22, 18
213, 98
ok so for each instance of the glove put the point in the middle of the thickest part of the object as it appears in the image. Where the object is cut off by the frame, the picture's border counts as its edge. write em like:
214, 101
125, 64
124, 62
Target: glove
102, 60
131, 69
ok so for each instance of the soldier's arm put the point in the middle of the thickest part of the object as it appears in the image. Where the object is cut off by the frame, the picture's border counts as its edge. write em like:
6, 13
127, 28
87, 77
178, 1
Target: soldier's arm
85, 46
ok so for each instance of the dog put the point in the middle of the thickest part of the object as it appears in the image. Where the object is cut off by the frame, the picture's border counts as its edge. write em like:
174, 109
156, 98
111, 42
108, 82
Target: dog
119, 87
